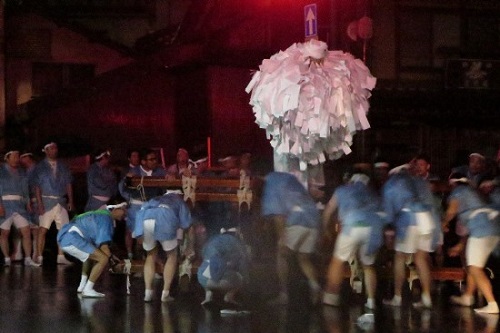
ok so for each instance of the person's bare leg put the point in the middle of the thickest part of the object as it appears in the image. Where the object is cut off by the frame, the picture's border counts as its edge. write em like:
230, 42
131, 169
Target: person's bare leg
168, 274
282, 270
25, 233
4, 244
100, 261
129, 243
335, 275
399, 278
149, 268
42, 234
86, 267
467, 298
370, 285
27, 246
309, 271
149, 273
422, 261
334, 278
484, 285
34, 234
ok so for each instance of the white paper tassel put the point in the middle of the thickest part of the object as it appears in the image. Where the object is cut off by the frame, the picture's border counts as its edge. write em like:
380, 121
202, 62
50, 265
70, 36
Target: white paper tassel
311, 101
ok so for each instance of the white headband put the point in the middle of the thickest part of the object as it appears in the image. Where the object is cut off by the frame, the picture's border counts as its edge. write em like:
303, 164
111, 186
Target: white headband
8, 153
458, 180
476, 155
225, 159
198, 162
398, 169
106, 153
26, 154
381, 165
48, 145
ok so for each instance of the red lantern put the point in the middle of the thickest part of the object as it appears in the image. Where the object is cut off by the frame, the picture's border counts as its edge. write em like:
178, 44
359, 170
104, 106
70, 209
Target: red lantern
365, 27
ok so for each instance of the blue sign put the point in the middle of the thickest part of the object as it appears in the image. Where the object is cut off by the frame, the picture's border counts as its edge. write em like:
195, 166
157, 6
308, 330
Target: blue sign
311, 20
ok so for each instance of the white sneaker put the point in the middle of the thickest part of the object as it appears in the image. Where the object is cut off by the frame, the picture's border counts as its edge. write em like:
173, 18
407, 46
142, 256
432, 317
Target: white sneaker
29, 262
92, 293
40, 260
6, 262
462, 300
491, 308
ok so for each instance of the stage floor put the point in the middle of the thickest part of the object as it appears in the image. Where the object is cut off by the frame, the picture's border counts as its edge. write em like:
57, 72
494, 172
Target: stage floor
44, 299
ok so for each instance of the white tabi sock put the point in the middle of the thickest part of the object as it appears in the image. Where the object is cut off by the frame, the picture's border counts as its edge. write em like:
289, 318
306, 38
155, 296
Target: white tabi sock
83, 282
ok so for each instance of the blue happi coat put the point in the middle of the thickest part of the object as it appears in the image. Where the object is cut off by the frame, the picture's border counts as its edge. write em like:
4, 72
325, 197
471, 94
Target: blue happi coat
404, 195
222, 254
87, 231
359, 206
13, 182
53, 186
284, 195
478, 217
170, 213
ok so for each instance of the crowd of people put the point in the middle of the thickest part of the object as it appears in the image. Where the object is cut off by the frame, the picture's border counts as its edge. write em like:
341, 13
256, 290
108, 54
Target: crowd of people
369, 202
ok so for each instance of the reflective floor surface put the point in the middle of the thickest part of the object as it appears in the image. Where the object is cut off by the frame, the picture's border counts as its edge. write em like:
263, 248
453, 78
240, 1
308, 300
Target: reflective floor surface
44, 299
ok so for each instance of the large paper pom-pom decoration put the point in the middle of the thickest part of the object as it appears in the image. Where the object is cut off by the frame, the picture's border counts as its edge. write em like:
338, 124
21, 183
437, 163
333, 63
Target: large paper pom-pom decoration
311, 101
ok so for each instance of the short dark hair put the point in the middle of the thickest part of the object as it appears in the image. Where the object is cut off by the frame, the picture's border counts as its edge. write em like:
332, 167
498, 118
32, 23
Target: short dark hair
132, 150
145, 152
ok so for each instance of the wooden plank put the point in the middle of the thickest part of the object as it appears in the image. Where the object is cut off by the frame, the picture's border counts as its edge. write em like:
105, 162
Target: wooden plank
200, 182
154, 182
203, 196
448, 274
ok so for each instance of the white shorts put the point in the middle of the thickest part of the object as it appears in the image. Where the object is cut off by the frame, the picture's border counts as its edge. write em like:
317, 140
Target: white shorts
478, 250
78, 254
414, 241
57, 214
346, 246
15, 219
300, 239
149, 241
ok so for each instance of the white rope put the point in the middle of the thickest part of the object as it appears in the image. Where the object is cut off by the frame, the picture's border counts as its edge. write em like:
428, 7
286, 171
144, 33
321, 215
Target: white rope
140, 188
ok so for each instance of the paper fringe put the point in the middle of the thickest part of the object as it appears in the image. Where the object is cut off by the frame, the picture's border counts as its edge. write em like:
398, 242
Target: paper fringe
311, 106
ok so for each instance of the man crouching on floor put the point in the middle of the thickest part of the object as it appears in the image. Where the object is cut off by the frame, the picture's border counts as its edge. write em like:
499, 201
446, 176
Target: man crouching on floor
87, 238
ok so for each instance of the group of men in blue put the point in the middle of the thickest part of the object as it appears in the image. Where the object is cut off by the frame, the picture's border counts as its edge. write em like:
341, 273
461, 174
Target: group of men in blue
407, 203
155, 218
